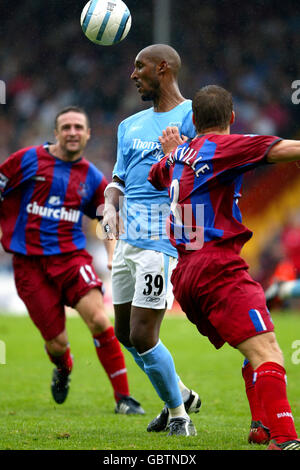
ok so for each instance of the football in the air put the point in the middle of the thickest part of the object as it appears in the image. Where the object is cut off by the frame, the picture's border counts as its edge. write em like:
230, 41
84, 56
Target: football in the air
105, 22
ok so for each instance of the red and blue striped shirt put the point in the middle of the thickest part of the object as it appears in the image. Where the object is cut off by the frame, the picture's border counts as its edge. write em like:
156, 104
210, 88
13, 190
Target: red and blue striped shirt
44, 200
204, 177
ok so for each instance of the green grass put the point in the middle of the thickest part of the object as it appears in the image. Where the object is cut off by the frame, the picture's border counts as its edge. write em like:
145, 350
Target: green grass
29, 418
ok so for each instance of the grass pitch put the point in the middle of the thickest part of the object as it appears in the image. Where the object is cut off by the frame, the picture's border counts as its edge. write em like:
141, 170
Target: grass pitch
30, 419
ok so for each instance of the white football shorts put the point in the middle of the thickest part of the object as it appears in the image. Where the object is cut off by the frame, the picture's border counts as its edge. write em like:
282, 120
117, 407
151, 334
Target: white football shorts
142, 277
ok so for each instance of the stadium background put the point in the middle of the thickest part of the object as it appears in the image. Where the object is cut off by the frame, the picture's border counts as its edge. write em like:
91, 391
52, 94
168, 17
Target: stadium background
250, 48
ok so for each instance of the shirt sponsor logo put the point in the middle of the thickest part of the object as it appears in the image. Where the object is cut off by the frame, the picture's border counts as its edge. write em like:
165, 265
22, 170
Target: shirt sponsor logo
148, 147
61, 213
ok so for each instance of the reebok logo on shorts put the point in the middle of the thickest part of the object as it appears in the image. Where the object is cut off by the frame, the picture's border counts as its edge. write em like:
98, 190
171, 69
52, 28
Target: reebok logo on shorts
154, 300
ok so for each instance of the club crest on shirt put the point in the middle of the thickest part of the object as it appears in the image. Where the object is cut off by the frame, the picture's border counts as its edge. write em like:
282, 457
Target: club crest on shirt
82, 190
175, 124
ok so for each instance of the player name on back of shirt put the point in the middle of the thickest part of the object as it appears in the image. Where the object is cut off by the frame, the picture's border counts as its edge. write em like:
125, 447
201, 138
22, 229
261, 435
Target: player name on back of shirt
188, 156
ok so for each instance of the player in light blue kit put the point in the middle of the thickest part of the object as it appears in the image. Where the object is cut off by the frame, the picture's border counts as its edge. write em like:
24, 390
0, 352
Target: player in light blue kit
144, 258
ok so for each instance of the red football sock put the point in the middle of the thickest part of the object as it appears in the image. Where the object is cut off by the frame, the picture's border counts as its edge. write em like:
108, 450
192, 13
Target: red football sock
112, 359
271, 389
257, 413
64, 361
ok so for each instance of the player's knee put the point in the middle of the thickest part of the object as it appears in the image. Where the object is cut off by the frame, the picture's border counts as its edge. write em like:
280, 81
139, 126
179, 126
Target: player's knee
122, 336
263, 348
57, 346
135, 339
142, 340
98, 322
274, 350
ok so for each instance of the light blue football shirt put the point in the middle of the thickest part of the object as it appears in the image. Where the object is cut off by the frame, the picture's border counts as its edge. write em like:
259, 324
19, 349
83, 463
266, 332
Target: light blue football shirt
145, 208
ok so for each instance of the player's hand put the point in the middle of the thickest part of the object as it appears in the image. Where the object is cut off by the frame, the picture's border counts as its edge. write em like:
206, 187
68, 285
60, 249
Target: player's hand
170, 139
112, 223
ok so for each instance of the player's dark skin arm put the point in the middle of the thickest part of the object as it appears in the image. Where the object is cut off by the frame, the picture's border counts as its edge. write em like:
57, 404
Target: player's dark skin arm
114, 196
284, 151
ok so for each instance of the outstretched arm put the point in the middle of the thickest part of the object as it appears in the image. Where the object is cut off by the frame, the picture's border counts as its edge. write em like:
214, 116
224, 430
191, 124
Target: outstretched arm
284, 151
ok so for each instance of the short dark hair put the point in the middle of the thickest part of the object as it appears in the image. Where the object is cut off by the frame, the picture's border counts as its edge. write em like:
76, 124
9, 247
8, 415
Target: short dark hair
212, 107
75, 109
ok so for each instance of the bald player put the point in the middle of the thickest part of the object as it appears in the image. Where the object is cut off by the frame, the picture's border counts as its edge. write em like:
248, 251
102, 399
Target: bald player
143, 257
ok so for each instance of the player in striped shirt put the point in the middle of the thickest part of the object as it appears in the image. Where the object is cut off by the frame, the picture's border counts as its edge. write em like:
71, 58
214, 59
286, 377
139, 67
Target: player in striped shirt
211, 281
45, 192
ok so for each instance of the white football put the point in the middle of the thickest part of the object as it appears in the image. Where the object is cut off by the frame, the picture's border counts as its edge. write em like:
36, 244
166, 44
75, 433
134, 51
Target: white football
105, 22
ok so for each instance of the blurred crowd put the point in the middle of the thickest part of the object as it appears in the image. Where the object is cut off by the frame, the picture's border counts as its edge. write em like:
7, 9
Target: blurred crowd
46, 63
